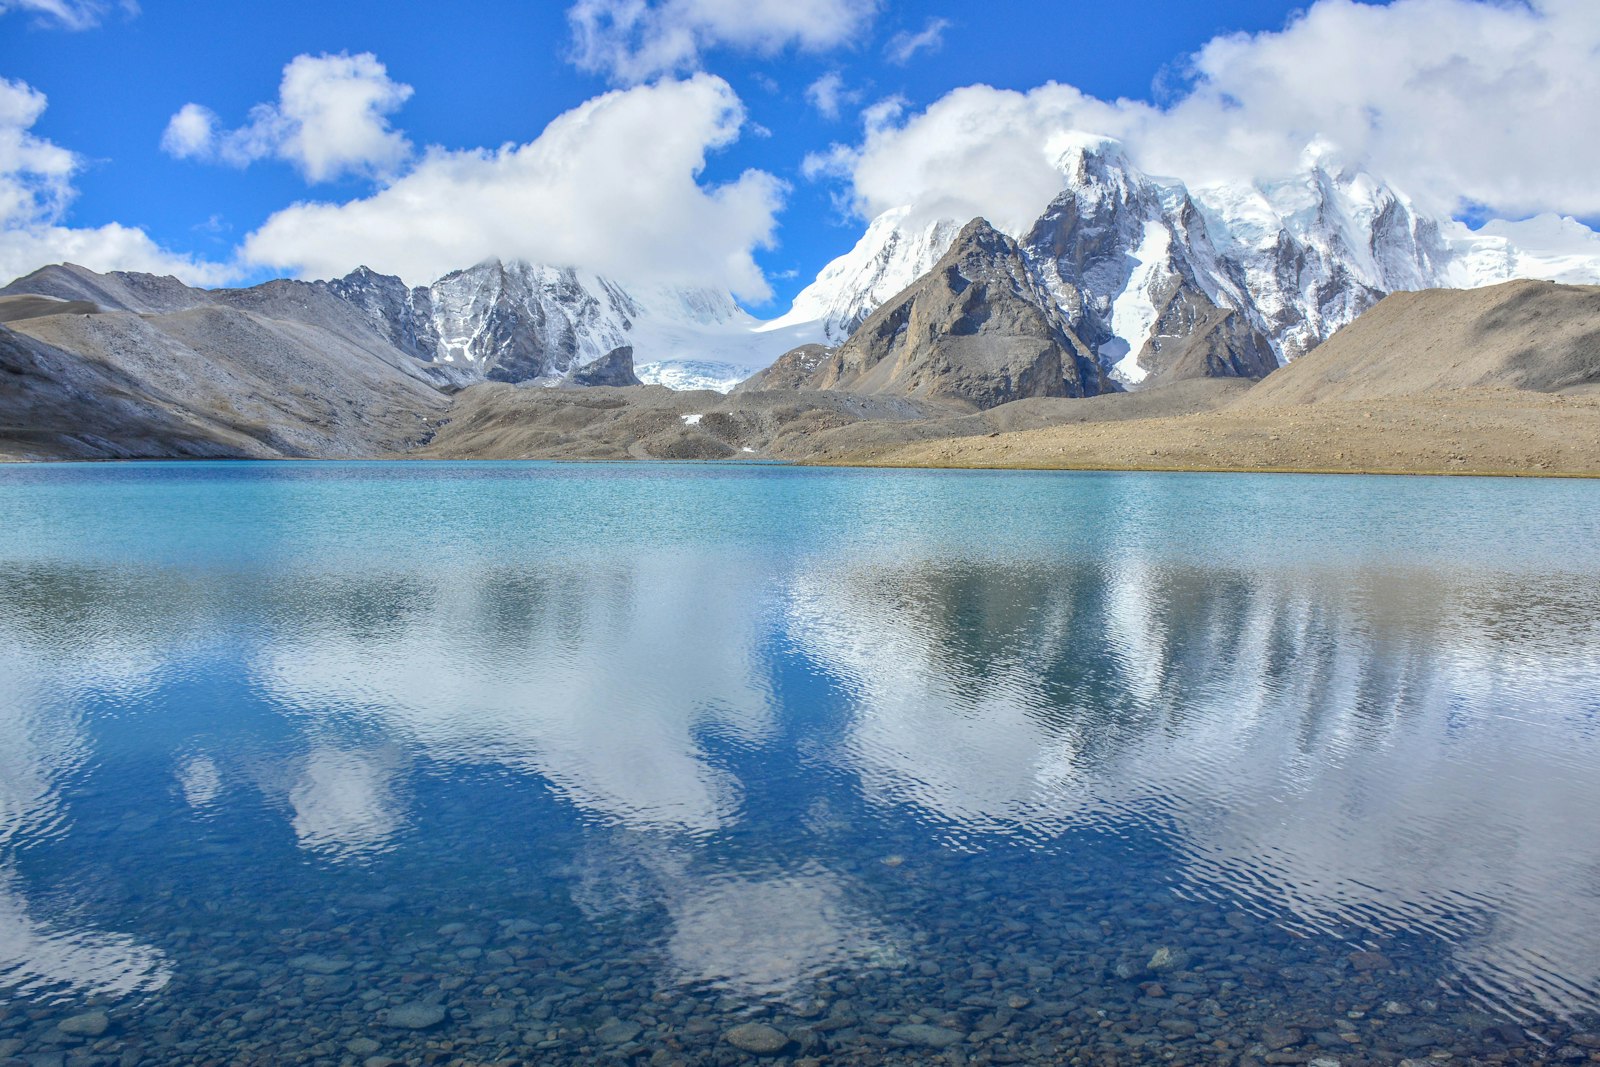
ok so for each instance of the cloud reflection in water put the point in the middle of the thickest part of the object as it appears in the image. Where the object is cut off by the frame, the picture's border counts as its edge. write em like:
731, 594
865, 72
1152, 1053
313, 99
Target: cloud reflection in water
1376, 751
45, 743
1356, 750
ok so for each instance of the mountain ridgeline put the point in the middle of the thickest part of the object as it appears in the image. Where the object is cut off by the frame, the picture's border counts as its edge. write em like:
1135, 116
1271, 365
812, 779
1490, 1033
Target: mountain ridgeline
1163, 282
1124, 282
494, 322
976, 329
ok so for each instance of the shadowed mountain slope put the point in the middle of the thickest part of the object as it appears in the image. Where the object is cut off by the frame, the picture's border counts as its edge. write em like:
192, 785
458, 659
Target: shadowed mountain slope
1537, 336
974, 330
209, 380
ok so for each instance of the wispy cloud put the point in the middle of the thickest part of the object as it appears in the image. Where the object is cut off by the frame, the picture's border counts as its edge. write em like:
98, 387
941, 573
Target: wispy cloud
632, 41
904, 45
69, 14
829, 95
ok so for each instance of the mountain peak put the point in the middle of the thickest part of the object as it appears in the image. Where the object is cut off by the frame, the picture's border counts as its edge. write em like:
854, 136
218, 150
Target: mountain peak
1079, 147
981, 234
975, 330
364, 273
899, 246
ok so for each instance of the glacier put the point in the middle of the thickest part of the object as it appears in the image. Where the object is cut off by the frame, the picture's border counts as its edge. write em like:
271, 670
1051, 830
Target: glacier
522, 322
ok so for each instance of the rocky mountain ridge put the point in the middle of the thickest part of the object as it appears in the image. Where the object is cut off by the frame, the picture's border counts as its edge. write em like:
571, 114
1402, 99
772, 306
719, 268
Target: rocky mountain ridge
1165, 281
1154, 280
1503, 379
1498, 380
976, 330
286, 370
511, 322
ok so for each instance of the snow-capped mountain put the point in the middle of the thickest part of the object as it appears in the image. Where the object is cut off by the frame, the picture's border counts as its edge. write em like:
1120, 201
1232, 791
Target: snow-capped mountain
895, 251
519, 322
1139, 263
1156, 277
1548, 246
1309, 253
1131, 262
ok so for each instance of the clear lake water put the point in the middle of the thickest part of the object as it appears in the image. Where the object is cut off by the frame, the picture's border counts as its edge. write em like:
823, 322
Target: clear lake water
408, 763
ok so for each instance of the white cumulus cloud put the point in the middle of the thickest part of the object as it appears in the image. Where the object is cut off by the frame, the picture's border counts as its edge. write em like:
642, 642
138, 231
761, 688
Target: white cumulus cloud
331, 119
1457, 102
614, 186
976, 151
634, 40
35, 191
903, 46
191, 133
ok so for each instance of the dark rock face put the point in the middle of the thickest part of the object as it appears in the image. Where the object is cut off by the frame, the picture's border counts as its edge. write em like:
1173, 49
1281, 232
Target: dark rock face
615, 368
403, 315
516, 321
976, 329
521, 340
507, 322
1082, 248
795, 369
1193, 338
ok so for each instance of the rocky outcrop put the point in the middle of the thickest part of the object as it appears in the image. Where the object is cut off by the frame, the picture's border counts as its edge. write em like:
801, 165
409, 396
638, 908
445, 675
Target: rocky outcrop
795, 369
975, 330
1194, 338
615, 368
401, 314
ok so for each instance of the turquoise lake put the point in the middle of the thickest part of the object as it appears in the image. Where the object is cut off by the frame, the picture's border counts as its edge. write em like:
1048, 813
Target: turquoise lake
677, 764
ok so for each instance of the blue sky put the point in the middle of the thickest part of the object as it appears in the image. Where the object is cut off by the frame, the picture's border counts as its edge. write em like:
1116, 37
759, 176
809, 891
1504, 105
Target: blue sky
486, 73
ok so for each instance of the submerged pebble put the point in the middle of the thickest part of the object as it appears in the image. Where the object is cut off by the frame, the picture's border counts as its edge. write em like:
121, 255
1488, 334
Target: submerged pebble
617, 1031
757, 1038
967, 810
928, 1036
89, 1024
413, 1016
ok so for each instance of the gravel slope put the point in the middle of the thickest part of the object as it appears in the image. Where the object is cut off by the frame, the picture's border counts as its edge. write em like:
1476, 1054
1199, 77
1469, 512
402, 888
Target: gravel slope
1471, 432
204, 381
1536, 336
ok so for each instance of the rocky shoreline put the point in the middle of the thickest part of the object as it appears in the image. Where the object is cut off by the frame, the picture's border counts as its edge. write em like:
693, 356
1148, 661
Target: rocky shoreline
1076, 979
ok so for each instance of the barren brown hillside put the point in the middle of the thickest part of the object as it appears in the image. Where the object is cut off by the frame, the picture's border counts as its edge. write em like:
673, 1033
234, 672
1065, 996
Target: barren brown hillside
1501, 380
